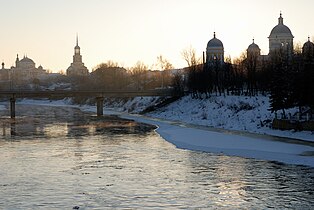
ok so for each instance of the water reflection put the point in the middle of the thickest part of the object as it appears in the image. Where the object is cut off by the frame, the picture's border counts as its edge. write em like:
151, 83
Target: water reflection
40, 121
87, 162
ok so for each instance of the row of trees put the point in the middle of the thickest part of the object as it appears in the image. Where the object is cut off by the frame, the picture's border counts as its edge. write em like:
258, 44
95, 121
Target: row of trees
292, 82
110, 76
289, 79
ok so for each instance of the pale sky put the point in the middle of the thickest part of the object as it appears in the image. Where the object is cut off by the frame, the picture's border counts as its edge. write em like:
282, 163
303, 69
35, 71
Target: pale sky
127, 31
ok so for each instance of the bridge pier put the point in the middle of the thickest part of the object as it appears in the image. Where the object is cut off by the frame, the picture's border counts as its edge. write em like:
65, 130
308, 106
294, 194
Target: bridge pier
100, 106
12, 107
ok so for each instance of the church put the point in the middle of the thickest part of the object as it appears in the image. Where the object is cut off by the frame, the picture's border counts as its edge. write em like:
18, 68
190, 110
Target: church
77, 68
24, 71
280, 39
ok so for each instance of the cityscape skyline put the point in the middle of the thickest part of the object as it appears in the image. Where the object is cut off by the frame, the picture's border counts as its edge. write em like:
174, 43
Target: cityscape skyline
127, 32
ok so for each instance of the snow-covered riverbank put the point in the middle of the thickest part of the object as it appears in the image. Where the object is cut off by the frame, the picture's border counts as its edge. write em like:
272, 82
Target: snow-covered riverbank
207, 140
235, 113
230, 144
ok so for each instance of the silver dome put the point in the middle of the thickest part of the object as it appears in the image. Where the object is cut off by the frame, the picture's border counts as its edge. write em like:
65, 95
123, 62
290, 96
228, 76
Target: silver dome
214, 43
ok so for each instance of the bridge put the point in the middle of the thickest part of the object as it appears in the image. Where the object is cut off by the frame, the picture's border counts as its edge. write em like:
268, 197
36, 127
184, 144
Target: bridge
99, 95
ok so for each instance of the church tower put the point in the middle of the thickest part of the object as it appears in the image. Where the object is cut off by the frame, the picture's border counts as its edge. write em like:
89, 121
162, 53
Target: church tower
281, 38
77, 68
77, 58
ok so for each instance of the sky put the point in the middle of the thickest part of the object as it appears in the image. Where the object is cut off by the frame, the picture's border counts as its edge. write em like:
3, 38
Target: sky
127, 31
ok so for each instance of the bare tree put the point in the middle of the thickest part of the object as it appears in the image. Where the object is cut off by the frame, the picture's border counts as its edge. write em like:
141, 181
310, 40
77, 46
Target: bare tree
194, 77
109, 76
189, 55
298, 48
139, 73
164, 65
108, 64
62, 72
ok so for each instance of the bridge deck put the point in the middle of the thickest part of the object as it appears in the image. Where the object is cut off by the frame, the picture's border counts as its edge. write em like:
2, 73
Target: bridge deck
99, 95
86, 93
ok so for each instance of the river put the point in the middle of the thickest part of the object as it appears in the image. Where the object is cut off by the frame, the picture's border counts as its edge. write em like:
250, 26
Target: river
62, 158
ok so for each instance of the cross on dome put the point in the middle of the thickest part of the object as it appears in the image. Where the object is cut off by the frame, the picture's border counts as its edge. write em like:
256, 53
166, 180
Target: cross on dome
280, 19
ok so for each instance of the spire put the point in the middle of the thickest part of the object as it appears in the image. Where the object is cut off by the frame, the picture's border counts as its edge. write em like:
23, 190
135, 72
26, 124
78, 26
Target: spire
308, 38
214, 34
253, 40
280, 19
76, 39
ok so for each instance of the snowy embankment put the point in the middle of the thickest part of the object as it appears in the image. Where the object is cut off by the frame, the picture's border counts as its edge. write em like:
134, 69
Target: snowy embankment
230, 113
230, 144
235, 113
239, 113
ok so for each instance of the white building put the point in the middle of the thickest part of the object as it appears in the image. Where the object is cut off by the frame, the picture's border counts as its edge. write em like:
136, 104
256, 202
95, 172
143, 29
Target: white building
281, 38
214, 51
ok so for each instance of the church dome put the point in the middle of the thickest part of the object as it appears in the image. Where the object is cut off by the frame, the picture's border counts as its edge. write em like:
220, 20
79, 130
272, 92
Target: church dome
308, 45
214, 43
253, 50
25, 63
253, 47
280, 29
27, 60
308, 48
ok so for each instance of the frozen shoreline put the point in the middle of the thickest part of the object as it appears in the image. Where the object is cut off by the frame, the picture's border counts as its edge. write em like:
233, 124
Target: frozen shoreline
185, 137
229, 144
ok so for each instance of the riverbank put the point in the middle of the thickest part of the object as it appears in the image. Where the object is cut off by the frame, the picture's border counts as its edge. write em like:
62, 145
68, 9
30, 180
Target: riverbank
224, 142
192, 138
233, 113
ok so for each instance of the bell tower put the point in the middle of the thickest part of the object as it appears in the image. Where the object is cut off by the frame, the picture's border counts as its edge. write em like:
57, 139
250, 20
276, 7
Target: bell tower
77, 68
77, 58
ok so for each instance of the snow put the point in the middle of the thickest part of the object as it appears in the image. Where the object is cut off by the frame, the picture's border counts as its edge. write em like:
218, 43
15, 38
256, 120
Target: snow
230, 144
239, 113
235, 113
135, 105
64, 102
178, 124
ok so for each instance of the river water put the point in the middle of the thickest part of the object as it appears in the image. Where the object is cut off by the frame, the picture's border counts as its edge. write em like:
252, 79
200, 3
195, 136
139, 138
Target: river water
61, 158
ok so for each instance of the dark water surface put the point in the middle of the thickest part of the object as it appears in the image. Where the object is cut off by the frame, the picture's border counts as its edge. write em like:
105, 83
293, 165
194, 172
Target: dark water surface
60, 158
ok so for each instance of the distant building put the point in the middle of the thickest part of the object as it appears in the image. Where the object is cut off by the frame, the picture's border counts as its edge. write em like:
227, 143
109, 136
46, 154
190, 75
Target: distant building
77, 68
280, 40
24, 71
214, 51
308, 50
